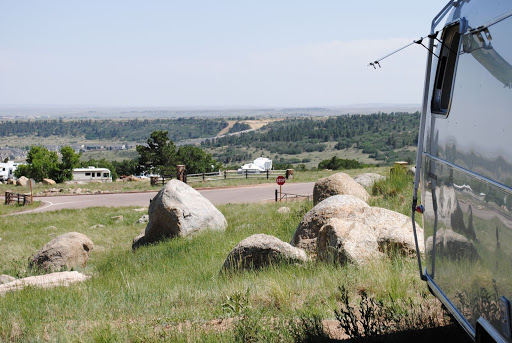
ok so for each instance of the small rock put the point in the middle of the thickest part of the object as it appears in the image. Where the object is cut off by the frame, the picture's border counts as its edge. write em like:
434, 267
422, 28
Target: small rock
117, 218
44, 281
97, 226
260, 250
51, 227
139, 241
367, 180
140, 209
143, 219
49, 182
283, 210
6, 279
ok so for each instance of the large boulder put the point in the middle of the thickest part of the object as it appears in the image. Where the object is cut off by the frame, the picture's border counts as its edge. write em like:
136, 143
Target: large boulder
359, 239
337, 206
452, 245
368, 179
337, 184
22, 181
69, 250
179, 210
260, 250
44, 281
344, 228
49, 182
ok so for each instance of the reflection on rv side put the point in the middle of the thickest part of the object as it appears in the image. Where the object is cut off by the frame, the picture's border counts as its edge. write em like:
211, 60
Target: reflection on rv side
464, 166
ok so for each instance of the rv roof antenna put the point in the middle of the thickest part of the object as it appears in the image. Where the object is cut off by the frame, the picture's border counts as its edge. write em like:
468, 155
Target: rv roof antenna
418, 41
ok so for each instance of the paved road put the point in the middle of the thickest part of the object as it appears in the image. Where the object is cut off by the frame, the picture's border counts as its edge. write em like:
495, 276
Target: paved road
218, 196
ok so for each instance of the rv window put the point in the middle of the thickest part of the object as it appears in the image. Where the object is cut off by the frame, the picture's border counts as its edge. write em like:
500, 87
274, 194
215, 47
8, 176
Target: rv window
87, 174
105, 174
445, 76
98, 174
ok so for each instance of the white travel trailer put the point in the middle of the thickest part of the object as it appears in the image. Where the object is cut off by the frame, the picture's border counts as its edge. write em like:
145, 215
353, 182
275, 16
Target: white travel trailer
7, 170
260, 165
464, 140
92, 174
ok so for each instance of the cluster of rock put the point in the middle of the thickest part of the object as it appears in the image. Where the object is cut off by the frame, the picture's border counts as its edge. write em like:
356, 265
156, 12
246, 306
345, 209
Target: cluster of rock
341, 228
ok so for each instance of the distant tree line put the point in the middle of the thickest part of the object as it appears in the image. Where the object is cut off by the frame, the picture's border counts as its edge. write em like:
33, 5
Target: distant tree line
378, 134
126, 130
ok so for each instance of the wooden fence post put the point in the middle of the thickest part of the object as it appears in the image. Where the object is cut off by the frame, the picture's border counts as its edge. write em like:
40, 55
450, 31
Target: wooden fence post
181, 173
225, 174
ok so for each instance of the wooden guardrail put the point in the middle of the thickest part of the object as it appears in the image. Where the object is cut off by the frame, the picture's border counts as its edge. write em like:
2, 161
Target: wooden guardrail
291, 196
21, 199
222, 175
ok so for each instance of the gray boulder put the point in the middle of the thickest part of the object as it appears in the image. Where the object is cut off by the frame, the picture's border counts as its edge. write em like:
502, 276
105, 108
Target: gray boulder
260, 250
69, 250
6, 279
373, 233
345, 229
367, 180
337, 184
337, 206
452, 245
179, 210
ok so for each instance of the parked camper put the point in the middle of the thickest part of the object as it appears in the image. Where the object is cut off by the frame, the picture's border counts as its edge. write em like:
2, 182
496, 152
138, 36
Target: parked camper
92, 174
464, 140
7, 170
260, 165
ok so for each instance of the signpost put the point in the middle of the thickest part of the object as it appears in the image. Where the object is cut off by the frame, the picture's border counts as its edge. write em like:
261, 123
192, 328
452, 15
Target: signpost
32, 183
280, 180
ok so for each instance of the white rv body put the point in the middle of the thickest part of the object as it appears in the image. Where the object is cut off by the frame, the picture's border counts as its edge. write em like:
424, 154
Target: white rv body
92, 174
7, 170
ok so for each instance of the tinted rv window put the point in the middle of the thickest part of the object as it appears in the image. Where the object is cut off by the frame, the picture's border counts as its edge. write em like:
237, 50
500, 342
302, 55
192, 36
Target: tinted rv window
105, 174
87, 174
446, 66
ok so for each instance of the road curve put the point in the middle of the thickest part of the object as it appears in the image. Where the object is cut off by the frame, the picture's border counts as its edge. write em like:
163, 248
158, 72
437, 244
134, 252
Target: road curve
218, 196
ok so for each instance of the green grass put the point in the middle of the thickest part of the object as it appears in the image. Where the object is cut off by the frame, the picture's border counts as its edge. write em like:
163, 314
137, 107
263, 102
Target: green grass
173, 291
6, 209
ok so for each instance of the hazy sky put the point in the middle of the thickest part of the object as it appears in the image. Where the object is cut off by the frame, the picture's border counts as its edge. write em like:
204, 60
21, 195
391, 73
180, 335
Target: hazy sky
211, 53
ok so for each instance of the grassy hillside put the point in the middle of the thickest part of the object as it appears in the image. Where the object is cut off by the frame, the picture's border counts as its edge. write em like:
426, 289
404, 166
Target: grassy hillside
173, 291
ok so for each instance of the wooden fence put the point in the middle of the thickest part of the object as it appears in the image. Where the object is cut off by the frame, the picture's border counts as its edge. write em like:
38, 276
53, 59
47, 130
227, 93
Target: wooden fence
21, 199
222, 175
291, 196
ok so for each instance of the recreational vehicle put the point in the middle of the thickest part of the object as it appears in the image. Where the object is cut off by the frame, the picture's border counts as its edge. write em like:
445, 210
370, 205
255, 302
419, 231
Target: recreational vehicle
7, 170
92, 174
260, 165
464, 140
